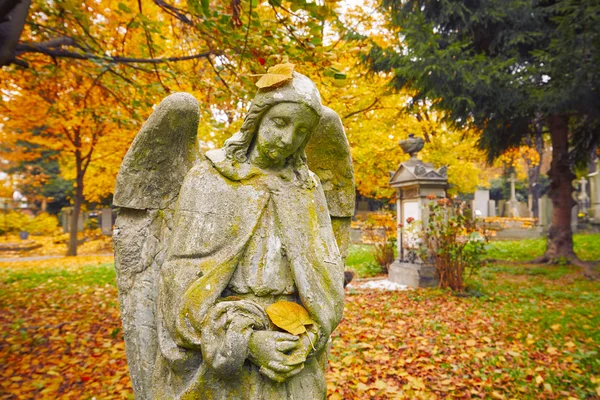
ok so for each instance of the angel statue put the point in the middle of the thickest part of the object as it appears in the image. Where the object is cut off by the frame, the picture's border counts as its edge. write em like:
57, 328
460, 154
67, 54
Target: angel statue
230, 263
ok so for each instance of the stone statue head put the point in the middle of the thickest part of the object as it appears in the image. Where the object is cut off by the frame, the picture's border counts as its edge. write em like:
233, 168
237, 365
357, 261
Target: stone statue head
285, 115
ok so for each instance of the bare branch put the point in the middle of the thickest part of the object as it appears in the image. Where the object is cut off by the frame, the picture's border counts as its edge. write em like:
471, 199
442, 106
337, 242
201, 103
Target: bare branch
218, 74
362, 109
247, 34
49, 48
174, 12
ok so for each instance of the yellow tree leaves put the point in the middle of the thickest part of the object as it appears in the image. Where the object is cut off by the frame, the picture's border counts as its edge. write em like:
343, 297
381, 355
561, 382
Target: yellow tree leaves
289, 316
519, 160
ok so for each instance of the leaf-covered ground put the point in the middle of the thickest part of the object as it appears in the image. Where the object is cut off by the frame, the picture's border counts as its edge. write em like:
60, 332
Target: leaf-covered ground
533, 332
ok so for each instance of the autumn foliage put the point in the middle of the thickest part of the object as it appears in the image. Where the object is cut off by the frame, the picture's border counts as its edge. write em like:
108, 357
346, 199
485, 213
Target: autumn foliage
530, 334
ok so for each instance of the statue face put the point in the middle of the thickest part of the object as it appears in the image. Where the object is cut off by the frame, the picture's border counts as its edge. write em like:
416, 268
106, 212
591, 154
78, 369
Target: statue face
282, 130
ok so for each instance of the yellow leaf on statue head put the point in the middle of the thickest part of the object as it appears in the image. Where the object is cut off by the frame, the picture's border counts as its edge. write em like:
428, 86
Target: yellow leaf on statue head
276, 75
289, 316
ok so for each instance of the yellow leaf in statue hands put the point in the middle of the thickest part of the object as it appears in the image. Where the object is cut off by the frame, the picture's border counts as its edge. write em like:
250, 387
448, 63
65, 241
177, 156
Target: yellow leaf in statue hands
276, 75
289, 316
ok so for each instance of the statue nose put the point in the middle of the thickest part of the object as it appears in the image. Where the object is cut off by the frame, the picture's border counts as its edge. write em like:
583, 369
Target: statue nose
287, 136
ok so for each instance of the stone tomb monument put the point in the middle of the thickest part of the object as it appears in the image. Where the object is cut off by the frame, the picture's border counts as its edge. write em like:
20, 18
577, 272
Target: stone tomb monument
414, 181
213, 250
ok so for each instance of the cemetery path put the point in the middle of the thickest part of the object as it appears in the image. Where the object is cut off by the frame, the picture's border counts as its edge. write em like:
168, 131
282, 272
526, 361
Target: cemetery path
40, 258
32, 258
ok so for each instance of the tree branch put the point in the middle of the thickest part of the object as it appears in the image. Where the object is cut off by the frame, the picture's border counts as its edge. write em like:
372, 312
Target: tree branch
363, 109
174, 12
247, 34
51, 48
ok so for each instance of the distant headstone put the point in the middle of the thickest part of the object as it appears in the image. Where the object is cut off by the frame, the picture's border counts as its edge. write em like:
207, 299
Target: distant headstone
524, 210
481, 203
491, 208
545, 211
595, 193
362, 205
106, 221
66, 220
502, 208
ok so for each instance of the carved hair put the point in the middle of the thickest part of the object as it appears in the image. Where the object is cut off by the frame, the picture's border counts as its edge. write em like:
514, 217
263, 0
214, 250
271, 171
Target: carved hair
238, 146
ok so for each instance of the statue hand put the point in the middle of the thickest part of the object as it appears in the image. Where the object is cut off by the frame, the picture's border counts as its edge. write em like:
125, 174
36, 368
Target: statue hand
277, 354
304, 346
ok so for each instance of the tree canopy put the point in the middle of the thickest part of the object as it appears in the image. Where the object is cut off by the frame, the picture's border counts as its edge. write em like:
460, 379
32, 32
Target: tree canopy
87, 79
502, 67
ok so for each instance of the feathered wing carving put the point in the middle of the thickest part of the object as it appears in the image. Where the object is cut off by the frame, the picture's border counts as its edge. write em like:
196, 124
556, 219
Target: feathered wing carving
328, 156
147, 187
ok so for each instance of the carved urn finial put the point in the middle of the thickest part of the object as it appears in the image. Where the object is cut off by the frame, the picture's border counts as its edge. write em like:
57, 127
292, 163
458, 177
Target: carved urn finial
412, 145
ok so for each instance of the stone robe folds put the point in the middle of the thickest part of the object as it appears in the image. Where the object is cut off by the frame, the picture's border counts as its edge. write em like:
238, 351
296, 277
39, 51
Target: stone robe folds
203, 336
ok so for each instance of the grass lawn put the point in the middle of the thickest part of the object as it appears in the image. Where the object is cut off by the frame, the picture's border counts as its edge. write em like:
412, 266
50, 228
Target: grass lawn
360, 257
532, 333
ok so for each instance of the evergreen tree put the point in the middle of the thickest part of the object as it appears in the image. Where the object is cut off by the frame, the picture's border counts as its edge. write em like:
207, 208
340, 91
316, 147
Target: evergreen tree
503, 66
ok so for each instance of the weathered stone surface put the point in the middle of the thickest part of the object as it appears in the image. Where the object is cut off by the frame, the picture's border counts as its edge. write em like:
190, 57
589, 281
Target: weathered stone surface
156, 163
328, 155
204, 246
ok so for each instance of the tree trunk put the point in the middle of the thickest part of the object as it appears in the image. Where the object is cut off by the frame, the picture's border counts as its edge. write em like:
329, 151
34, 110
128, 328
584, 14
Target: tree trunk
560, 234
13, 14
72, 251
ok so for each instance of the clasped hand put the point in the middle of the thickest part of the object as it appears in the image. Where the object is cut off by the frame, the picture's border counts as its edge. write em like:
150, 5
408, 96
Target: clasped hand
279, 355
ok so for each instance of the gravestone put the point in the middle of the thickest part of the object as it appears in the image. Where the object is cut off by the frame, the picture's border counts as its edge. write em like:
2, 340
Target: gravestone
524, 210
545, 208
414, 181
575, 218
65, 219
594, 178
106, 221
502, 208
492, 208
481, 203
214, 250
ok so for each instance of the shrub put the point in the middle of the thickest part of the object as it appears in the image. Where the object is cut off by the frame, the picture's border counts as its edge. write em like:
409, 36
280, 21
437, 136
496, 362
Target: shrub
452, 242
381, 231
13, 222
43, 224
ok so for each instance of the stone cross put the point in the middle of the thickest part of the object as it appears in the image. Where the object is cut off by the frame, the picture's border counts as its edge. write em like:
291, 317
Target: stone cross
512, 180
513, 204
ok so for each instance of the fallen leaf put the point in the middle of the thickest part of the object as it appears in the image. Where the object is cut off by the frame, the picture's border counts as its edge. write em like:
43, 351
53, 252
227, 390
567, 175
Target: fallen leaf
276, 75
289, 316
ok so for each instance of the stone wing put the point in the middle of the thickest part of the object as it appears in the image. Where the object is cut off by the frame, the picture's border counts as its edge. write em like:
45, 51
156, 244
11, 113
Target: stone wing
328, 156
147, 188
